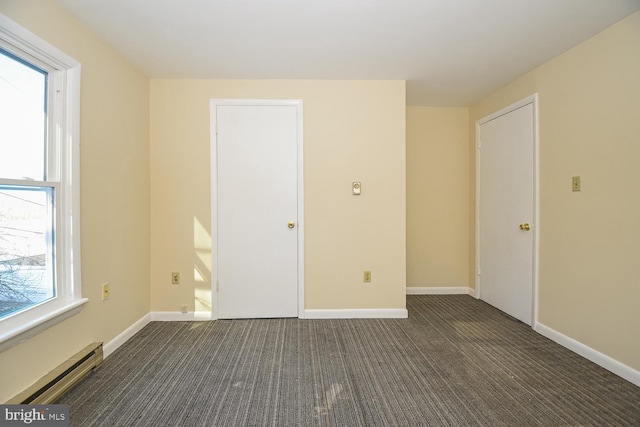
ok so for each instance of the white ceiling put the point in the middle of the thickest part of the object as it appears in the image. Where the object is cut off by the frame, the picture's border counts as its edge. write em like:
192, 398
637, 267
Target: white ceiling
451, 52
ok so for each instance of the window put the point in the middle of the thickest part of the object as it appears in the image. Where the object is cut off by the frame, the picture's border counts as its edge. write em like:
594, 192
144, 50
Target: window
39, 188
26, 207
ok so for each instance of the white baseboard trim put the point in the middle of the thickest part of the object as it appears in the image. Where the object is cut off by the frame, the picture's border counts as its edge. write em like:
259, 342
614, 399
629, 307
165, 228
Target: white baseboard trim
178, 316
589, 353
439, 290
123, 337
357, 313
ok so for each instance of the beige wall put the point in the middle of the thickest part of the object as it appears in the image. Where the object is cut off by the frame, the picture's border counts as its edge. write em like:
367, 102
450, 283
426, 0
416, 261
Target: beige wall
437, 197
353, 130
589, 106
114, 197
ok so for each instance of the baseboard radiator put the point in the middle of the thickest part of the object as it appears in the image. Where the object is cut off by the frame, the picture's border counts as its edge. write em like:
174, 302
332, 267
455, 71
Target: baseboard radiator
53, 385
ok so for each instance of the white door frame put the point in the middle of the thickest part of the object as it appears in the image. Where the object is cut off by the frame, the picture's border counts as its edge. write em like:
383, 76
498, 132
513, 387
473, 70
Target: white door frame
533, 99
214, 193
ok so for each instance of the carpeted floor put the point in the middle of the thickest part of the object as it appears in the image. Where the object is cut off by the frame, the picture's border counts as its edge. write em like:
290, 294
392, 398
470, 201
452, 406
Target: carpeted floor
456, 361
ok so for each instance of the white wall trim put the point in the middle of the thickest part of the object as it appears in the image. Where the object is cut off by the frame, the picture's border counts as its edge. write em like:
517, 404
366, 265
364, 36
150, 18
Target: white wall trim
357, 313
125, 335
607, 362
439, 290
178, 316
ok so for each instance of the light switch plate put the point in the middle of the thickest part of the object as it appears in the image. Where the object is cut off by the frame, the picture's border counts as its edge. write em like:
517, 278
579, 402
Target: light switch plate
356, 188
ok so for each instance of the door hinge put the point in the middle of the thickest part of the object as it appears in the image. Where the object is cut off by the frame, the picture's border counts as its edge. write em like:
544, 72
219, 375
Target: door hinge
478, 271
478, 144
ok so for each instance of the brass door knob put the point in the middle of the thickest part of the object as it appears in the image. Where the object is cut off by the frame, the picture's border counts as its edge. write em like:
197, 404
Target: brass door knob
291, 224
525, 226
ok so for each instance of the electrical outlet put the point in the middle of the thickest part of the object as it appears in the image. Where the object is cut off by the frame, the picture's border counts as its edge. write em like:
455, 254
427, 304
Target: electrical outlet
175, 278
576, 183
184, 309
105, 291
366, 276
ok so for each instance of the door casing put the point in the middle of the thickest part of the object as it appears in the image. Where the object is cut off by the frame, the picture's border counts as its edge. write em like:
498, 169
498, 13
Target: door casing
214, 103
533, 99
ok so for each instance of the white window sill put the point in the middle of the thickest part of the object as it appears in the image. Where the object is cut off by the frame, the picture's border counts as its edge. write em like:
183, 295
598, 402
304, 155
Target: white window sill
35, 325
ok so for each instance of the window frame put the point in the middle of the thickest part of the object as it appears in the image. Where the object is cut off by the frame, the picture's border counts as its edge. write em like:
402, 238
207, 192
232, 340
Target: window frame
63, 175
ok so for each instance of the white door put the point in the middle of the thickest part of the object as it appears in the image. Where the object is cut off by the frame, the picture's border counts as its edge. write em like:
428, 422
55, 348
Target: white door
506, 206
256, 217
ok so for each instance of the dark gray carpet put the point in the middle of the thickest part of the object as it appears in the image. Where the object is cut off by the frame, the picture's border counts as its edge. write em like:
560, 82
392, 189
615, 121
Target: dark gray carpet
455, 361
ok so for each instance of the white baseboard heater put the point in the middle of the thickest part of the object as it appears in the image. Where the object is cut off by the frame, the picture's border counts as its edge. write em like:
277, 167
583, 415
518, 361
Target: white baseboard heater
57, 382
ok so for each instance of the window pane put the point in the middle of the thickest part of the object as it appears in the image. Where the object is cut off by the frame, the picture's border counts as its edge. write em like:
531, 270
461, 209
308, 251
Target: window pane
22, 119
26, 268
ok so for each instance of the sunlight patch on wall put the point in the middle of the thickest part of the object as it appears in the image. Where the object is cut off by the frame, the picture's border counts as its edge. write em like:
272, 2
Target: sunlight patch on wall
203, 299
201, 267
202, 244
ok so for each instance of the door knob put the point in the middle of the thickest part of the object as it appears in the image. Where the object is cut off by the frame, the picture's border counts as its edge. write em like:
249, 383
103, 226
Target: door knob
291, 224
525, 226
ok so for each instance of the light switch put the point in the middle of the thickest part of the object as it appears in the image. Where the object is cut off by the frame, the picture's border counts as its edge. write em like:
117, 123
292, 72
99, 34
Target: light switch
356, 188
